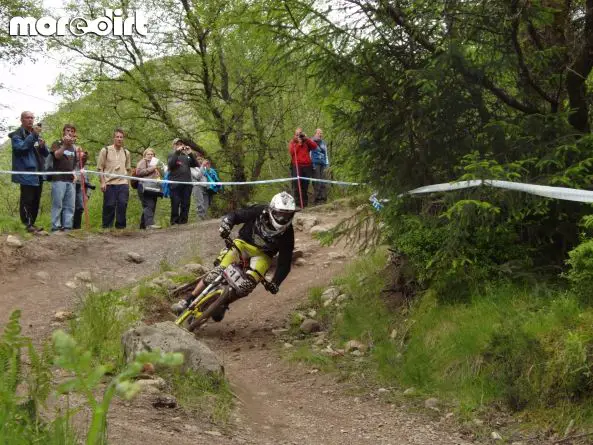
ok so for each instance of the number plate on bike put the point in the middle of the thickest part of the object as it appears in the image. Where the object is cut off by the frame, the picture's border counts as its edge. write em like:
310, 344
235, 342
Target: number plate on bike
235, 277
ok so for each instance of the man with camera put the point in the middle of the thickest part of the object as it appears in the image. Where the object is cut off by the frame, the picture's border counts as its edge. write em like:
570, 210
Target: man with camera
299, 150
28, 153
63, 189
180, 161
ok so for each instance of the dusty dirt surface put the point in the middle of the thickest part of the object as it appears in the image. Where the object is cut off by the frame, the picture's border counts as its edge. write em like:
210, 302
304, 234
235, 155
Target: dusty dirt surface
277, 402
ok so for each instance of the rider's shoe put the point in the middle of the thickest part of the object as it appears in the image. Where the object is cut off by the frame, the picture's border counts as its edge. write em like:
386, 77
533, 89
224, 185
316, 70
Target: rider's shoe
179, 307
218, 314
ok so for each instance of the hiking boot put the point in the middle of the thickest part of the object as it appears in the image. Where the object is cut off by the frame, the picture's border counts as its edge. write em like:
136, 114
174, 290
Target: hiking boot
179, 307
154, 226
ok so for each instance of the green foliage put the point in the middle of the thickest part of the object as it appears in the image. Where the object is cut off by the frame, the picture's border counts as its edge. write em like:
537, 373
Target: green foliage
580, 274
523, 347
102, 319
208, 394
25, 390
87, 377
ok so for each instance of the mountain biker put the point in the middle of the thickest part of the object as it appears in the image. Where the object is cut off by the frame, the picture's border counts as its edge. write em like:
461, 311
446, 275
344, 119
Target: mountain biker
267, 231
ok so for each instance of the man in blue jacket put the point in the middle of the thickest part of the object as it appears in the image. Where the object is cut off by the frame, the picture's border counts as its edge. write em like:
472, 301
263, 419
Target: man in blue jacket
28, 153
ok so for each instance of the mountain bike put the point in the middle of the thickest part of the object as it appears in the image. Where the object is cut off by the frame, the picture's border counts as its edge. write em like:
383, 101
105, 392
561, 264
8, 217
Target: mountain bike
222, 291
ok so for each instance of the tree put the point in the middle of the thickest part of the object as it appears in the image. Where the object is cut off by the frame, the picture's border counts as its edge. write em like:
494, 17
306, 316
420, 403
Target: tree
206, 71
13, 49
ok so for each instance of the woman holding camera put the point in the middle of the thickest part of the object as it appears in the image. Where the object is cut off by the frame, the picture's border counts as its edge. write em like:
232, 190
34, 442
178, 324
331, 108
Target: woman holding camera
148, 191
301, 165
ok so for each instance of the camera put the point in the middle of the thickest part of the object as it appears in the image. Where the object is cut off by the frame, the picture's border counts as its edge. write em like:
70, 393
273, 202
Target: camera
302, 135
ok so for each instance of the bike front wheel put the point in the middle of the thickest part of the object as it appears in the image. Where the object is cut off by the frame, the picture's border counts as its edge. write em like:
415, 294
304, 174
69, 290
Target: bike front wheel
223, 298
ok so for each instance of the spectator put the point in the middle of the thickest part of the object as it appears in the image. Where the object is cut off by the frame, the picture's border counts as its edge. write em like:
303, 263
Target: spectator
82, 194
28, 151
148, 191
203, 194
319, 162
63, 189
200, 192
212, 177
299, 148
115, 159
180, 161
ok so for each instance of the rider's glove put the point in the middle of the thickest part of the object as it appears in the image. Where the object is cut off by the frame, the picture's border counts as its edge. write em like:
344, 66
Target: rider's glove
225, 229
272, 287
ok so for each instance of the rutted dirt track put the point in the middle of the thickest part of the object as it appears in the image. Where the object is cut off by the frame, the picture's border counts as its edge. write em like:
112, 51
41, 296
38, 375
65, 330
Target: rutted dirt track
278, 402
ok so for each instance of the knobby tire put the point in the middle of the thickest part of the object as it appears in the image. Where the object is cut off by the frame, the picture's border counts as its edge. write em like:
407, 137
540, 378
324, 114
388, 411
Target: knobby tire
209, 310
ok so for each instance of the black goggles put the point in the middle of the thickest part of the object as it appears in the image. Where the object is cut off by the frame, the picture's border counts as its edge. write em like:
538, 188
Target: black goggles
282, 216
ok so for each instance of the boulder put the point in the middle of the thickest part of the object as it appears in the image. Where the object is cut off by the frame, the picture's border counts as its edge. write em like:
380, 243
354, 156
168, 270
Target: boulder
330, 293
319, 229
355, 345
195, 268
84, 276
336, 256
168, 337
432, 403
305, 222
342, 298
309, 325
164, 282
134, 257
300, 262
42, 276
13, 241
62, 316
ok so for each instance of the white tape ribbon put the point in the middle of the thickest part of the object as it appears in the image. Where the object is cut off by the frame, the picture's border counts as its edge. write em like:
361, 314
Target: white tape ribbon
564, 193
168, 181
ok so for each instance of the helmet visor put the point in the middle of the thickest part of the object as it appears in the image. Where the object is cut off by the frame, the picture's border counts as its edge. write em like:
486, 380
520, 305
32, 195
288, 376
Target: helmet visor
282, 216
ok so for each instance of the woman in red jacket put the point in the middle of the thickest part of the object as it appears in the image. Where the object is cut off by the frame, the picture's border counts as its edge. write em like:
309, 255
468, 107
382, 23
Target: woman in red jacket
299, 148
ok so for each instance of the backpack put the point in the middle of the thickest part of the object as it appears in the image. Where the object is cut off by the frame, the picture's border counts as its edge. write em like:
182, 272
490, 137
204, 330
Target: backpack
166, 186
133, 182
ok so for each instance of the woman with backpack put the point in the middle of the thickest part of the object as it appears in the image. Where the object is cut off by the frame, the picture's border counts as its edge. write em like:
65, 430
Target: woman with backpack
148, 191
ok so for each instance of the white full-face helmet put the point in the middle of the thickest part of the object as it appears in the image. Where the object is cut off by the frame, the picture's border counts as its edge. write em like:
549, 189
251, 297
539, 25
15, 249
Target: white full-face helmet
280, 212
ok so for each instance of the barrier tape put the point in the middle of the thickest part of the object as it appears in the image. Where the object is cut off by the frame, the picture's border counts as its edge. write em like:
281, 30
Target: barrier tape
168, 181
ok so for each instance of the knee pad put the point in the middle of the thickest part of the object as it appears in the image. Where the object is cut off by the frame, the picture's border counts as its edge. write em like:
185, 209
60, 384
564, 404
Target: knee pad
247, 286
213, 274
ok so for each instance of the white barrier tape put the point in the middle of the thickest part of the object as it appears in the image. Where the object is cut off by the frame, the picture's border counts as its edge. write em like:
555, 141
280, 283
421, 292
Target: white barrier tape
564, 193
168, 181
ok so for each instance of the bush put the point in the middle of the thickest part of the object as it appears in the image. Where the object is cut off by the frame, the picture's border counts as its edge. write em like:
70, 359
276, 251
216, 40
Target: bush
580, 274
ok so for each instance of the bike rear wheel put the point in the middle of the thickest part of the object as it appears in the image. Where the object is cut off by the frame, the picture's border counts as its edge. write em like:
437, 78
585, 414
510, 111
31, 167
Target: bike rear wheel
223, 298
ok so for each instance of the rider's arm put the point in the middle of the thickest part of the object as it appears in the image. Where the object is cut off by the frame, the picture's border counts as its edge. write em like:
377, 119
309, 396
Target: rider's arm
284, 257
242, 216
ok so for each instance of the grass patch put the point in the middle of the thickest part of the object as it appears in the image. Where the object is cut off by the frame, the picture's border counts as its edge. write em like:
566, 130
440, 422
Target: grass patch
103, 318
208, 394
304, 354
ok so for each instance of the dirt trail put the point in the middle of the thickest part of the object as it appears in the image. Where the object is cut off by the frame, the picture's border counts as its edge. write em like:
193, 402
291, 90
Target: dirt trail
278, 402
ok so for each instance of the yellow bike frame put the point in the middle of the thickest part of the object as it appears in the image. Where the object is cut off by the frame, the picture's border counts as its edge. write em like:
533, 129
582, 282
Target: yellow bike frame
195, 311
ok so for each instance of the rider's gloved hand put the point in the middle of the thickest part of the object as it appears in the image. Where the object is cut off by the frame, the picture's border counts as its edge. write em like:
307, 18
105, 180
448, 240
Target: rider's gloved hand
272, 288
225, 229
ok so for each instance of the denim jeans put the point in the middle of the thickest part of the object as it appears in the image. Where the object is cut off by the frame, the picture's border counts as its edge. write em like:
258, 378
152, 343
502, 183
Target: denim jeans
115, 205
63, 196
